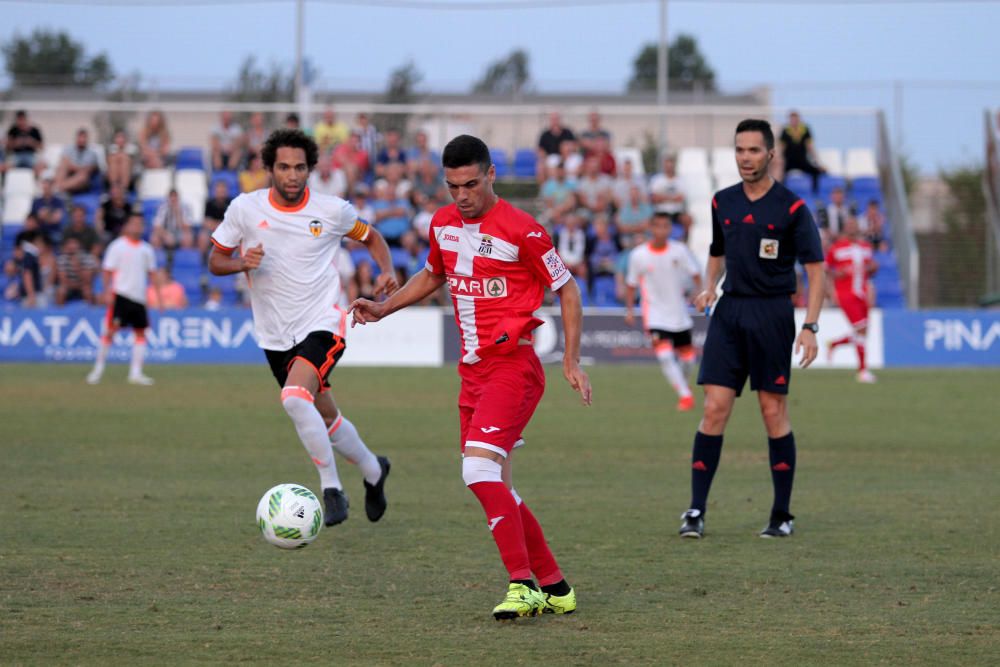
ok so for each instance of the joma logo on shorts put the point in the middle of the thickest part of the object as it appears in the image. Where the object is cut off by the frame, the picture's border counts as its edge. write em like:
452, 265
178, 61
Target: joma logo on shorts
478, 288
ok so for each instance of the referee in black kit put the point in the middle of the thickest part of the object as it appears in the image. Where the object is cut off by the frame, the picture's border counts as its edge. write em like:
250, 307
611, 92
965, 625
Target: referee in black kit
759, 229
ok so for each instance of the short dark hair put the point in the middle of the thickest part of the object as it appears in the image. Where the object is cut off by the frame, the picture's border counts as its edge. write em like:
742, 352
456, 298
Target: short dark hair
663, 214
465, 150
757, 125
285, 138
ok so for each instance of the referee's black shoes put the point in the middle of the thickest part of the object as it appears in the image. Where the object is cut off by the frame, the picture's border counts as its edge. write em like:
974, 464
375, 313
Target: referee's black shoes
694, 524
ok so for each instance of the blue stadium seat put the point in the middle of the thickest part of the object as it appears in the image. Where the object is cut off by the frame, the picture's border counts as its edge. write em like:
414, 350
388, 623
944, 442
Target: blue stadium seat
89, 201
604, 292
800, 184
190, 279
827, 183
500, 162
188, 258
525, 163
189, 157
584, 291
149, 209
886, 260
867, 183
400, 258
231, 179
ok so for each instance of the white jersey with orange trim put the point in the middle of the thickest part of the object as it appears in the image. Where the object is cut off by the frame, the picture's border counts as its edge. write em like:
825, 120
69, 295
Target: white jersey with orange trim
662, 276
130, 263
296, 288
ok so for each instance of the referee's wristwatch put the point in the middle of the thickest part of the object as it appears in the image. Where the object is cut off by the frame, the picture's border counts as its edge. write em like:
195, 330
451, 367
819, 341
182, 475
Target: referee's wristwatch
811, 326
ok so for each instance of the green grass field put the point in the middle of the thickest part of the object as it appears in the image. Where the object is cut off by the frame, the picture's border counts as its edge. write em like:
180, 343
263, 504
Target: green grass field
127, 531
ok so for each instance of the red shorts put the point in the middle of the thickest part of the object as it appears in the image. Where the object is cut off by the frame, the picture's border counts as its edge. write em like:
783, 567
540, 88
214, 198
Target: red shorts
498, 397
854, 307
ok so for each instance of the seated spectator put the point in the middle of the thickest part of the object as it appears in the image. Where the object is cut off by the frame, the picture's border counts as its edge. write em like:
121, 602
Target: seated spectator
669, 196
553, 136
85, 234
352, 159
833, 215
28, 275
391, 153
254, 177
121, 161
798, 151
557, 193
50, 210
77, 166
594, 135
31, 233
602, 151
872, 225
594, 187
76, 271
622, 188
422, 220
602, 249
256, 133
364, 281
24, 144
112, 214
213, 301
395, 175
392, 213
572, 158
329, 132
172, 225
10, 283
410, 242
228, 144
215, 211
154, 141
362, 203
571, 244
293, 122
171, 293
327, 180
48, 270
634, 215
419, 153
369, 139
427, 182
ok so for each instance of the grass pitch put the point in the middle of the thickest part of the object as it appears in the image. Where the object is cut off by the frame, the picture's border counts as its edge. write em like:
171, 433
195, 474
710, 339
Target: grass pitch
127, 530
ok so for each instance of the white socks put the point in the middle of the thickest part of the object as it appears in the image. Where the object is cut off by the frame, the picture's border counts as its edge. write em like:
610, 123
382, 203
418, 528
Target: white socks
299, 404
345, 439
672, 371
102, 357
138, 355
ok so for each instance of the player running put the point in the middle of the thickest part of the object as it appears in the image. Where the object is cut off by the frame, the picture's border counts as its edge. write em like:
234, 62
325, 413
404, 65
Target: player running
128, 267
661, 270
851, 264
288, 239
497, 261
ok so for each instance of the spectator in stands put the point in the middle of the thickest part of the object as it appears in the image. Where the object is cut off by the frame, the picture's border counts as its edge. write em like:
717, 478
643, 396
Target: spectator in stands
50, 210
572, 158
633, 217
329, 133
421, 152
89, 239
594, 187
602, 151
77, 166
76, 271
362, 203
627, 178
364, 281
415, 261
48, 270
154, 141
669, 196
28, 276
602, 249
872, 224
426, 182
213, 301
327, 180
171, 293
111, 215
24, 144
352, 159
10, 283
172, 225
121, 161
391, 153
31, 232
798, 150
215, 211
570, 241
551, 138
422, 220
594, 135
557, 193
228, 144
368, 136
833, 215
395, 175
254, 177
293, 122
392, 213
257, 132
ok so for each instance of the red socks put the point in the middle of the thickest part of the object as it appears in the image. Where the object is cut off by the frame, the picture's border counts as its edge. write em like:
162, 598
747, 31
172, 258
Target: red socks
504, 521
543, 564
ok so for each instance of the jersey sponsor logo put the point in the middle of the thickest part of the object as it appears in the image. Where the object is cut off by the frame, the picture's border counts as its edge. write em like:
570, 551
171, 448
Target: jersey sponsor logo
554, 264
315, 228
768, 249
450, 237
534, 235
494, 287
486, 246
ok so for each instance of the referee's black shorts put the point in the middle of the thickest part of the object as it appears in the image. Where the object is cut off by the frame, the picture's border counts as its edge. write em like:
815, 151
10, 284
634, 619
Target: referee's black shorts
750, 336
320, 349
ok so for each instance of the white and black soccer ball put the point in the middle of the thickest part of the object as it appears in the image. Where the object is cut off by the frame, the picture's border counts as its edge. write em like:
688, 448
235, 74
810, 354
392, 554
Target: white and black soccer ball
289, 516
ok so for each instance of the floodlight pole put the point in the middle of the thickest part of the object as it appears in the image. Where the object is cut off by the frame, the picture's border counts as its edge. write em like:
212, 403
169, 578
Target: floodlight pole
300, 22
662, 75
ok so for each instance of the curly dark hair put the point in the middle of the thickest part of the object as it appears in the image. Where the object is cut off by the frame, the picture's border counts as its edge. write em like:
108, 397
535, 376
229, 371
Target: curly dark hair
289, 139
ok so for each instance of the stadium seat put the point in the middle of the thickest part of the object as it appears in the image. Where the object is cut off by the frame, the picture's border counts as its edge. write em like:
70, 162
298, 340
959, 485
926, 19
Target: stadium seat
51, 155
832, 160
189, 157
187, 258
190, 279
90, 202
633, 155
154, 184
16, 208
698, 186
525, 163
192, 188
229, 177
692, 161
828, 182
724, 169
604, 292
19, 182
584, 291
500, 162
149, 208
800, 184
860, 162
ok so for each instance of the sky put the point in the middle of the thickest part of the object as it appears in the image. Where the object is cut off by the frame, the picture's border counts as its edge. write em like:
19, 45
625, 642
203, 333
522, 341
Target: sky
926, 64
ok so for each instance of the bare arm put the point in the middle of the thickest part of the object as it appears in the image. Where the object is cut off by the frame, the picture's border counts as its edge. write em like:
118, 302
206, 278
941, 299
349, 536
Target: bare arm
221, 264
572, 316
806, 341
416, 289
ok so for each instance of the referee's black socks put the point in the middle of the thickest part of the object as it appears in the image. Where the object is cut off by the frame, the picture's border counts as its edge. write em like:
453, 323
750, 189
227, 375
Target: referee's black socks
704, 461
782, 456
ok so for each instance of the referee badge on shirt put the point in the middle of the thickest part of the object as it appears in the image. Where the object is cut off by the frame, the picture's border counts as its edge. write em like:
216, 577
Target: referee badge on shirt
769, 249
315, 228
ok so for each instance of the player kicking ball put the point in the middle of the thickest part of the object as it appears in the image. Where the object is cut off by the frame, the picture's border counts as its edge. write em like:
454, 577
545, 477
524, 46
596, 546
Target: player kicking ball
660, 270
851, 265
497, 261
288, 239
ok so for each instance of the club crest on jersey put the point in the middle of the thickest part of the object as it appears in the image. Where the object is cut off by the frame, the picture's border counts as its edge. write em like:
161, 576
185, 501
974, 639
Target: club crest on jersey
315, 228
494, 287
486, 246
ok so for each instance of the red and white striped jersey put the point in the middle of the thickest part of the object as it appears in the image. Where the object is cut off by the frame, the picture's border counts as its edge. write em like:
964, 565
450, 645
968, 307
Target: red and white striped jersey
854, 258
497, 268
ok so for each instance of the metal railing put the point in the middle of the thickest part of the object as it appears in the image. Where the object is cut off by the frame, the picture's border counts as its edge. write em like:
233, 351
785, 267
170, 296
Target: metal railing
904, 239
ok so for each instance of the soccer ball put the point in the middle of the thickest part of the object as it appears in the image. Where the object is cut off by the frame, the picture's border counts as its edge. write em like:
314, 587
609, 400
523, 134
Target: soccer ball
289, 516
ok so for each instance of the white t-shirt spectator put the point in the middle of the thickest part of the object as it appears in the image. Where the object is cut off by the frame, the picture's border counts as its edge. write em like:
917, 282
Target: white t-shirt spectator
336, 185
664, 185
